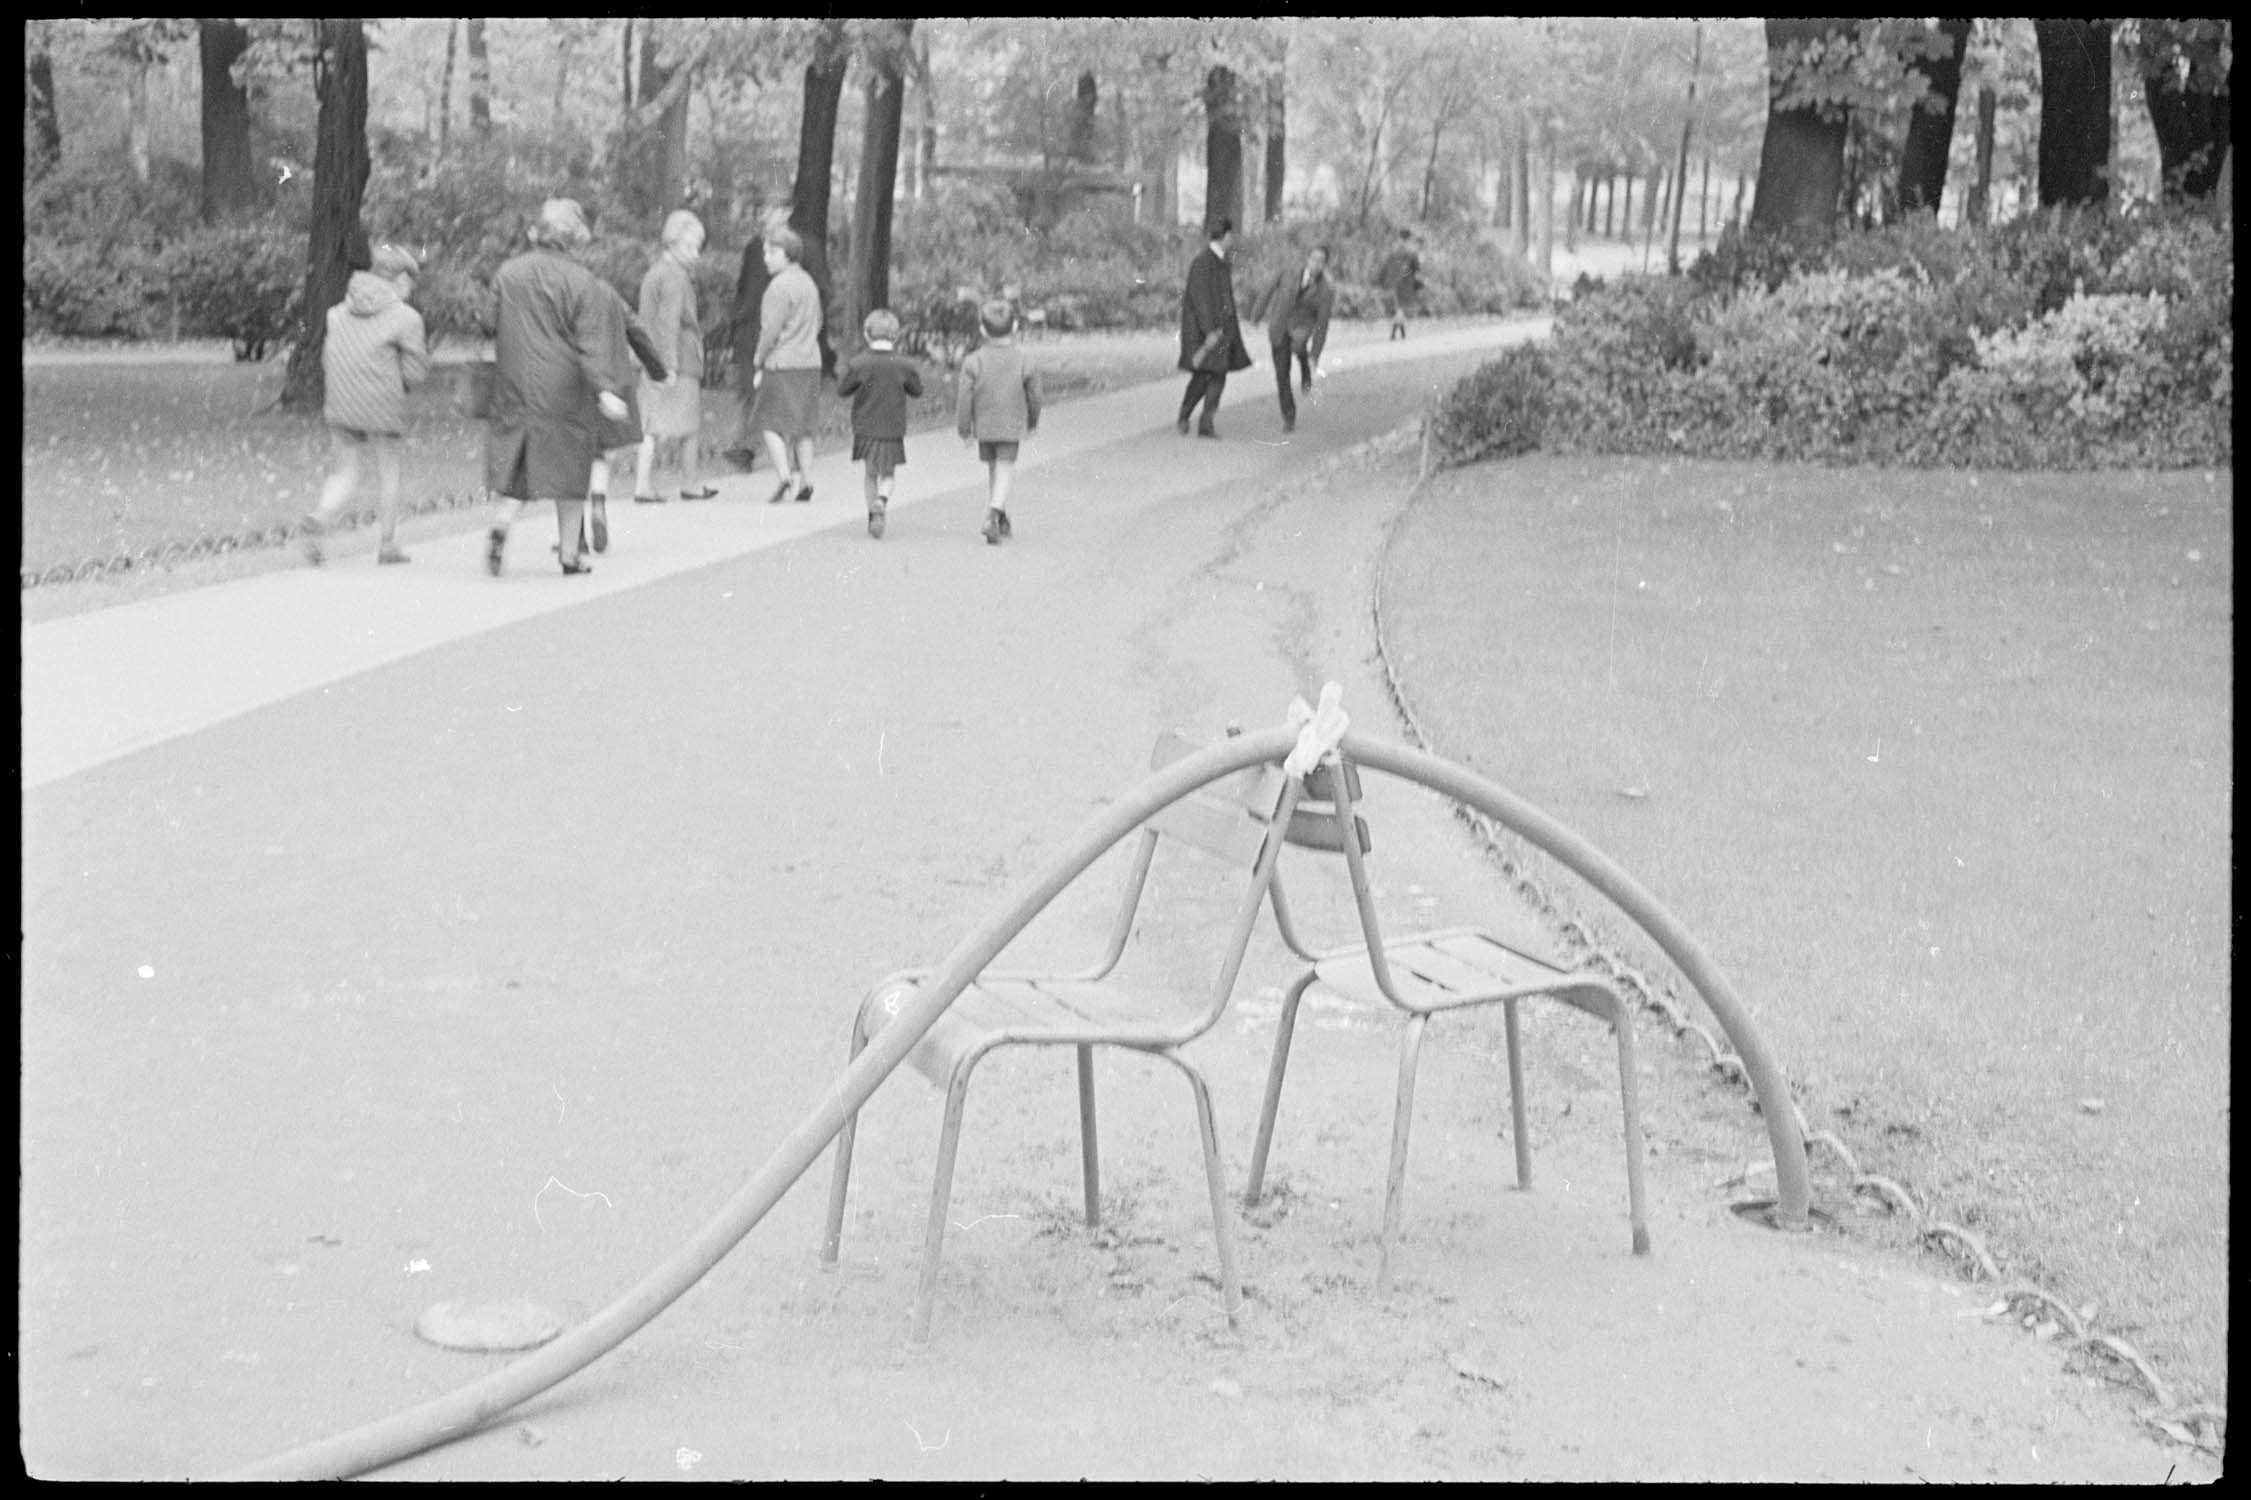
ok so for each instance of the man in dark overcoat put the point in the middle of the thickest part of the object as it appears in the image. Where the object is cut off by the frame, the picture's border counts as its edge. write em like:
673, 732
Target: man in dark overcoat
554, 378
1211, 337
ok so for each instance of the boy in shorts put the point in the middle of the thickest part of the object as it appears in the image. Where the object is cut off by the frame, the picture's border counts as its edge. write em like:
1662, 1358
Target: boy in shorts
373, 354
880, 381
998, 405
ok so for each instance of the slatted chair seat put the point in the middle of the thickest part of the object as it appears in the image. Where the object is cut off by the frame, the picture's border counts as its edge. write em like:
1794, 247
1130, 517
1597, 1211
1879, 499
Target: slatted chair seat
1083, 1011
1423, 975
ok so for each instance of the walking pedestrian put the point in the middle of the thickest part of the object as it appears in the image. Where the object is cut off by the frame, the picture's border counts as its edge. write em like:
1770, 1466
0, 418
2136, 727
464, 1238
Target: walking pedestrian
1295, 308
1400, 276
551, 381
880, 381
624, 341
786, 367
1211, 337
373, 354
672, 409
998, 404
743, 321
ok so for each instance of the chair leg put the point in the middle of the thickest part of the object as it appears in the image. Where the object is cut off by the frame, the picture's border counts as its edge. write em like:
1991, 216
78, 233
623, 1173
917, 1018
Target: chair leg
941, 1199
1394, 1188
1283, 1030
1088, 1154
840, 1176
1516, 1098
1630, 1096
1215, 1173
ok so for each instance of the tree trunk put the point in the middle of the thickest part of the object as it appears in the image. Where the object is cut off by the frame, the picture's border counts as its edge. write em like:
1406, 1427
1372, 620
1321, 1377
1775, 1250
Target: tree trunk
137, 117
480, 75
1542, 198
1521, 230
445, 88
2192, 132
816, 164
230, 183
46, 132
1802, 160
1930, 131
1977, 208
1223, 150
1277, 129
1704, 201
2074, 110
1085, 100
1680, 169
926, 143
1610, 205
339, 242
1430, 169
672, 154
879, 176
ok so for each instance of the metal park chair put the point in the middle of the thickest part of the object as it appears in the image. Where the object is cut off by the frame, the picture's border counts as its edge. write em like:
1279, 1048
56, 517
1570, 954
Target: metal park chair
1423, 975
1083, 1011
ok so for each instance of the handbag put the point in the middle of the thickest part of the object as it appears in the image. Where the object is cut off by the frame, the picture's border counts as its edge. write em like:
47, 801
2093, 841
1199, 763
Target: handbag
473, 385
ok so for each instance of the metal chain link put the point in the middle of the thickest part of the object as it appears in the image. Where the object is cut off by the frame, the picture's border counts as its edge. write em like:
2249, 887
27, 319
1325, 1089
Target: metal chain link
2204, 1424
172, 553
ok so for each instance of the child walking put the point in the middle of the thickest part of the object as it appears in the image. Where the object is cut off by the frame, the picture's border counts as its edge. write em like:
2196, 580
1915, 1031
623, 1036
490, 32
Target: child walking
373, 354
999, 405
879, 380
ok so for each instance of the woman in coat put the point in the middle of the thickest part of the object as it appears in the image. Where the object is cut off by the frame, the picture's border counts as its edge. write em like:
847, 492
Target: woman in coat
1211, 337
787, 365
672, 409
554, 378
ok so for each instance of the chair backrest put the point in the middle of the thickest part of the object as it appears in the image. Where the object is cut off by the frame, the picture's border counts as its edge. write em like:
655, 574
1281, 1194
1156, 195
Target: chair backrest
1227, 829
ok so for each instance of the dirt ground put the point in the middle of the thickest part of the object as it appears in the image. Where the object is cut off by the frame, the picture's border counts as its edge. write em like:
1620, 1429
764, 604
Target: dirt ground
492, 972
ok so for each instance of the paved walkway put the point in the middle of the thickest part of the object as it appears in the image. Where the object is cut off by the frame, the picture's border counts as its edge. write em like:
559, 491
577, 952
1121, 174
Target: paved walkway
101, 685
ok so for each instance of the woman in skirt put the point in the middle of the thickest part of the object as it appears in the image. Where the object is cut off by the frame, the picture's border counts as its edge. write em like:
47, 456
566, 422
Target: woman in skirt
787, 369
672, 410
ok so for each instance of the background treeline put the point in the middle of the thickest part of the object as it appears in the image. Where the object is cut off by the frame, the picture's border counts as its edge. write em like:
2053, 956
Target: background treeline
217, 177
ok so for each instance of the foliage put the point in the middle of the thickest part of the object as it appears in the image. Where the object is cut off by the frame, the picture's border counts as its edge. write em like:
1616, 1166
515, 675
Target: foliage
241, 282
1912, 345
1498, 412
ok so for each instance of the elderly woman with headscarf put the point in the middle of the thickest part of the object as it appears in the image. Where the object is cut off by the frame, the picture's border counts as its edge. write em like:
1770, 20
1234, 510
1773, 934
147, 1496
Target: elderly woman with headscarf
787, 365
672, 410
555, 379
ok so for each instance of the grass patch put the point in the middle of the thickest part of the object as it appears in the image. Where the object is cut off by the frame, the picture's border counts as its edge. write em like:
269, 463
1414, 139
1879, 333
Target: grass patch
1939, 767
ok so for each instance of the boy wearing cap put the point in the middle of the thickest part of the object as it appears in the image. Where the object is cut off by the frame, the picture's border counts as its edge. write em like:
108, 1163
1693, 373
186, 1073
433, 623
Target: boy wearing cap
999, 405
373, 354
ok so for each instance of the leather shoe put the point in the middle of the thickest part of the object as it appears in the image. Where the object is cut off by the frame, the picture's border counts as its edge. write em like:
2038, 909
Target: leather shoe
703, 494
1181, 427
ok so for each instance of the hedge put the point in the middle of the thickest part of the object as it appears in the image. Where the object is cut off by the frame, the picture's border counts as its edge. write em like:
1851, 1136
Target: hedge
2047, 343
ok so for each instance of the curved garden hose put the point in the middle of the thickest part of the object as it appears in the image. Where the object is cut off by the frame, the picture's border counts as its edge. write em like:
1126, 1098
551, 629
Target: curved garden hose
462, 1412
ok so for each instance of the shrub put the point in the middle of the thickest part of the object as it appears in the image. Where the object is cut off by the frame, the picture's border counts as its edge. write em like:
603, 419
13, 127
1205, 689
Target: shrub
1498, 412
1915, 345
1620, 356
241, 282
73, 289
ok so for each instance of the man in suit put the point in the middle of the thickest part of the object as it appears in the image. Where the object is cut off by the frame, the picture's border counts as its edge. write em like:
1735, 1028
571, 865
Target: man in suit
1211, 337
1295, 308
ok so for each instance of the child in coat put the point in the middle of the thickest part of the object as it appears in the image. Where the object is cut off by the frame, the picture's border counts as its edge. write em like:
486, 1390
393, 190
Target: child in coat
879, 381
998, 404
373, 354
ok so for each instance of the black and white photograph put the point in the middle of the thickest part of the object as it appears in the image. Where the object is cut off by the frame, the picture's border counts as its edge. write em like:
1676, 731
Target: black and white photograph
1265, 748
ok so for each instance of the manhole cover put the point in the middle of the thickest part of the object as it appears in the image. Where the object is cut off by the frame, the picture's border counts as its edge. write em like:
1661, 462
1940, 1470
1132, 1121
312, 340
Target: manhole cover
513, 1323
